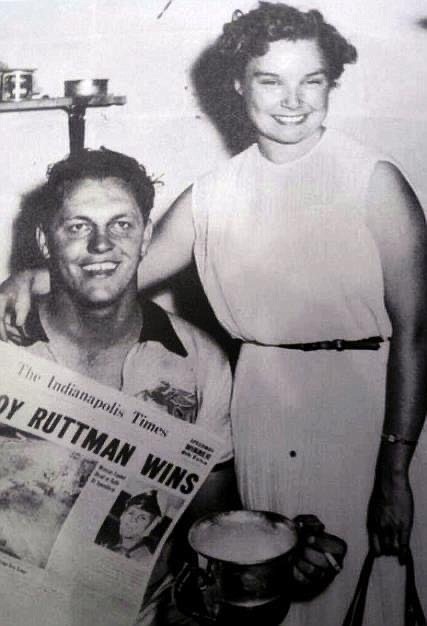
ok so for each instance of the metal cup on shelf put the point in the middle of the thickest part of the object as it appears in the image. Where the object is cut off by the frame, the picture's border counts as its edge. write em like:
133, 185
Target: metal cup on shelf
16, 85
86, 87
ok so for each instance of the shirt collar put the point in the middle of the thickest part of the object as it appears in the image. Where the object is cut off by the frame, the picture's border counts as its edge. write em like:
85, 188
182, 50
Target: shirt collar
156, 326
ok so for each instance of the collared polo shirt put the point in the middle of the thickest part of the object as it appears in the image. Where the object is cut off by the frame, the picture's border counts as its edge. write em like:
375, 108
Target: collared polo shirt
174, 365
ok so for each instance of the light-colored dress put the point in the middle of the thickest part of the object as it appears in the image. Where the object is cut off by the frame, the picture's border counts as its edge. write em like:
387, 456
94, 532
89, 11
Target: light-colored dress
285, 256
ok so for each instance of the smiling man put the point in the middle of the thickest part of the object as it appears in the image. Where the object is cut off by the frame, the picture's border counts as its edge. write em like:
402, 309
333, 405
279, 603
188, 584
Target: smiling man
93, 232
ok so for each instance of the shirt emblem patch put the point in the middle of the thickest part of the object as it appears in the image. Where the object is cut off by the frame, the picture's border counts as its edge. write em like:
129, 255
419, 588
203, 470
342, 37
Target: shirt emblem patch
178, 402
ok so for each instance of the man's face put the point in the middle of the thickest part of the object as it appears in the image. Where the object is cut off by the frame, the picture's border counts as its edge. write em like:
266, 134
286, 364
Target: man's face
134, 522
96, 241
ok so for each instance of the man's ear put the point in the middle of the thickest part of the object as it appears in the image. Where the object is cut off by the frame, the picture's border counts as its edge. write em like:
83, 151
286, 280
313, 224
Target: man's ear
148, 232
42, 243
238, 86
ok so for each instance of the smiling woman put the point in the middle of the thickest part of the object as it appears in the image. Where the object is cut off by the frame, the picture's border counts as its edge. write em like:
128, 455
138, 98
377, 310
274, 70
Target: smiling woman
302, 241
286, 92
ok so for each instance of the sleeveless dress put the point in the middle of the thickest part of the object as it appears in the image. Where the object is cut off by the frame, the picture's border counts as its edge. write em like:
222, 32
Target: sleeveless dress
285, 256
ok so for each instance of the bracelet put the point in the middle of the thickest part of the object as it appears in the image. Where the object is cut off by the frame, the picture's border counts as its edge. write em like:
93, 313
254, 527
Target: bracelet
392, 438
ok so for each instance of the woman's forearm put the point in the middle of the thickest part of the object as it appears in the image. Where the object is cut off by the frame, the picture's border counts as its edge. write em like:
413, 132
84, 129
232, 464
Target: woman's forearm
405, 400
171, 248
398, 226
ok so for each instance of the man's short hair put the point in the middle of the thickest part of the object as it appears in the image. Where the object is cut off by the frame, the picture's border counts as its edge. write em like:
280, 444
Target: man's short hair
95, 164
146, 501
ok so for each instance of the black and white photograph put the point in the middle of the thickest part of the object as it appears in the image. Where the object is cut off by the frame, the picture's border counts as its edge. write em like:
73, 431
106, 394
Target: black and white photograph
39, 483
218, 207
137, 522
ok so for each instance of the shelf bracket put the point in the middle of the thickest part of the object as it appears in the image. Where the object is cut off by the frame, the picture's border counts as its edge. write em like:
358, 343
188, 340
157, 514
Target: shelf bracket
76, 126
74, 107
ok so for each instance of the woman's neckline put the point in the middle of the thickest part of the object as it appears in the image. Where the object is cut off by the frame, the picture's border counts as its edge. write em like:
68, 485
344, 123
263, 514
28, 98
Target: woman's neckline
299, 159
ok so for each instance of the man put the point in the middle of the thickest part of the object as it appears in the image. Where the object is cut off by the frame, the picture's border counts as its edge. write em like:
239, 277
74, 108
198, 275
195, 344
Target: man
140, 517
94, 229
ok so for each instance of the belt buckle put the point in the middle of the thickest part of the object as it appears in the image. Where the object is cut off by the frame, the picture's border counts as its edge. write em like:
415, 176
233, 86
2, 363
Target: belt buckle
338, 344
322, 345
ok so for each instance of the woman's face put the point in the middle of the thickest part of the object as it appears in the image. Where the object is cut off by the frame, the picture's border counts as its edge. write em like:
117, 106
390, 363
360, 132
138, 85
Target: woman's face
286, 91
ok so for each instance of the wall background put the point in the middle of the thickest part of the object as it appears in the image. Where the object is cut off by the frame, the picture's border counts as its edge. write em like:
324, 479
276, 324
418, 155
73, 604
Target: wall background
382, 99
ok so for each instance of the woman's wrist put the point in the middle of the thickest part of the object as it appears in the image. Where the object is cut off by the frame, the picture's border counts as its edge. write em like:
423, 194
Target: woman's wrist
394, 438
393, 460
392, 476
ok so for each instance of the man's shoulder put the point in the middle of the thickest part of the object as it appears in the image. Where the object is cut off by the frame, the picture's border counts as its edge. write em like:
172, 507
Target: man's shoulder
188, 374
173, 331
212, 373
196, 341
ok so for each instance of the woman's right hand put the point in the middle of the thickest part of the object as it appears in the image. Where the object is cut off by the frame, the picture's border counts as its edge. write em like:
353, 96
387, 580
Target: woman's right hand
320, 558
16, 295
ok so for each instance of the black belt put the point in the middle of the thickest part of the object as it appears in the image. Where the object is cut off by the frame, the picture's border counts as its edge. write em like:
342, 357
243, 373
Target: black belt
370, 343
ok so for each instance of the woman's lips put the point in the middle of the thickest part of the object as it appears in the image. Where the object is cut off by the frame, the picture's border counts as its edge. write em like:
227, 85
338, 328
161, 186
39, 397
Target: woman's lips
290, 119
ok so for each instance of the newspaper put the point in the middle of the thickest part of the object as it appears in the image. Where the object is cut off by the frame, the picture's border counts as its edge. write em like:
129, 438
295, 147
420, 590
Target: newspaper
72, 453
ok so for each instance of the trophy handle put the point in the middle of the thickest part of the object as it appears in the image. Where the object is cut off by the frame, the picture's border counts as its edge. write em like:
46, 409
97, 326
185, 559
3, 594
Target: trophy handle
189, 588
308, 525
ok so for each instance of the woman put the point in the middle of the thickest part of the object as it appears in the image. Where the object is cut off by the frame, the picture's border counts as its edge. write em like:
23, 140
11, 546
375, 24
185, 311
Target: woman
312, 249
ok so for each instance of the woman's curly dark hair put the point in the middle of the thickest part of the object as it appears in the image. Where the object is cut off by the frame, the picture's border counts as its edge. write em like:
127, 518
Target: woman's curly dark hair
249, 35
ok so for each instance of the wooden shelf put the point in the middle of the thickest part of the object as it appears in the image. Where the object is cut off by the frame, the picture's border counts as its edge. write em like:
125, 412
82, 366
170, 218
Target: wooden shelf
41, 104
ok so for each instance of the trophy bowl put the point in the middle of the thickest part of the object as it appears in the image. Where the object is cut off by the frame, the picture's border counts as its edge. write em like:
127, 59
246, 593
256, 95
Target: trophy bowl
244, 570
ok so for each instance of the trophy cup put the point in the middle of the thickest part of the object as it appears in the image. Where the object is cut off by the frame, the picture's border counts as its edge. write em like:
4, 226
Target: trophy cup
244, 571
16, 85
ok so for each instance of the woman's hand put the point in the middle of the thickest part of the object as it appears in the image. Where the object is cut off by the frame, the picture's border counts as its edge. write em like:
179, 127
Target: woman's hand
390, 515
320, 558
15, 300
